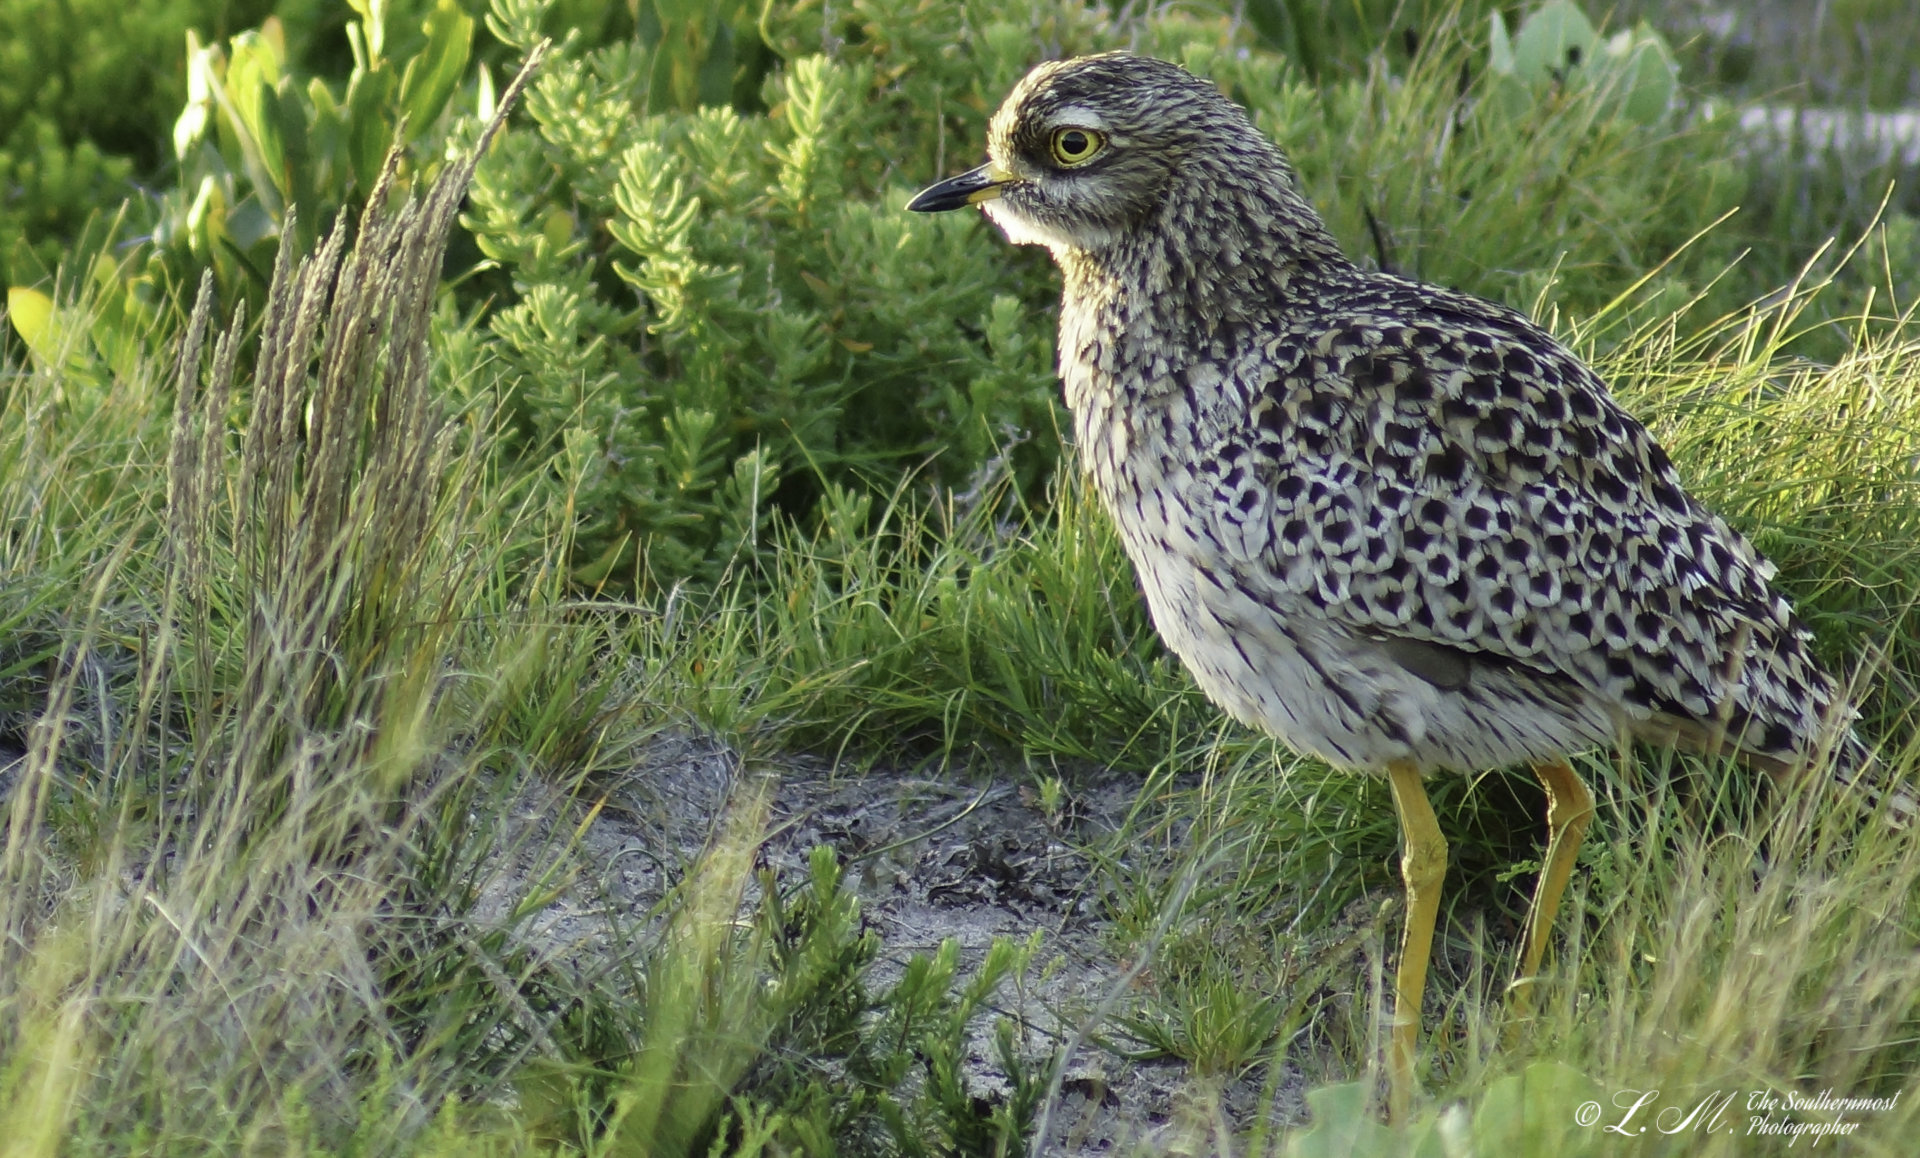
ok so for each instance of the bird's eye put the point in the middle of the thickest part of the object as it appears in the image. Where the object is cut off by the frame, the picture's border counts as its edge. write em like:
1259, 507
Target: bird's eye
1076, 146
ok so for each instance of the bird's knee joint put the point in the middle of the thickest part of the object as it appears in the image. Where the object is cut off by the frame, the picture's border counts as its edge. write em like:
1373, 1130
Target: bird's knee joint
1566, 814
1424, 863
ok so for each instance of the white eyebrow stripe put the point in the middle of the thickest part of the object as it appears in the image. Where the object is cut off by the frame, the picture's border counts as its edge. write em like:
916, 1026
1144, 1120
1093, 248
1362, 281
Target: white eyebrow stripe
1078, 117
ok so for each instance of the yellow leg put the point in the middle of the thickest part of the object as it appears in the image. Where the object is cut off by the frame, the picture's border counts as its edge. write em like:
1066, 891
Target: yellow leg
1423, 864
1569, 811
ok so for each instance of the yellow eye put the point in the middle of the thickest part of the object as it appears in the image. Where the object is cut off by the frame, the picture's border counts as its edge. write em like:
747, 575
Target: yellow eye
1076, 146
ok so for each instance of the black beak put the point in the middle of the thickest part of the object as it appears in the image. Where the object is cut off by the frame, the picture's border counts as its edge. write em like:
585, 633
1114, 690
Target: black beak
969, 188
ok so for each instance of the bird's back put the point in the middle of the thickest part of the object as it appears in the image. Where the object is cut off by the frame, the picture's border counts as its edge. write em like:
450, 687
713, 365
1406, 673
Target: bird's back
1459, 541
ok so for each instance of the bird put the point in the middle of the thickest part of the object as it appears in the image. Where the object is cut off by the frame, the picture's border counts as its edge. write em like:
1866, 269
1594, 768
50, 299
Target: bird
1396, 526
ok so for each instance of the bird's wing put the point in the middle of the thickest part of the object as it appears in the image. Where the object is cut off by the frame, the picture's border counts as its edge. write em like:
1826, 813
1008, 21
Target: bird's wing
1437, 473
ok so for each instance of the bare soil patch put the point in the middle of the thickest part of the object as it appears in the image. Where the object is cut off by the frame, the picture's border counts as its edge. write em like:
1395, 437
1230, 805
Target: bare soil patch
931, 858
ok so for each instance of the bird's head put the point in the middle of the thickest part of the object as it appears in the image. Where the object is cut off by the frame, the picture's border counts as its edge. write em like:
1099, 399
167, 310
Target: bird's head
1084, 152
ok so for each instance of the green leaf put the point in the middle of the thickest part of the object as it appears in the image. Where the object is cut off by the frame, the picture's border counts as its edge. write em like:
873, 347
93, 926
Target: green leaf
1344, 1125
432, 76
118, 319
369, 123
201, 83
296, 174
253, 75
1554, 43
373, 25
250, 223
1532, 1112
1648, 74
32, 314
327, 136
1500, 47
56, 336
715, 82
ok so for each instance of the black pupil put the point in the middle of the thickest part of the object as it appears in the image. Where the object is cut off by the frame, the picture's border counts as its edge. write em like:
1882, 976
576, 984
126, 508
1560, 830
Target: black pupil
1074, 143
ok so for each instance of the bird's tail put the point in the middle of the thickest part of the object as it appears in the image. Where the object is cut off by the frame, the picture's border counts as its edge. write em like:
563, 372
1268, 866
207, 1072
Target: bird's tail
1872, 779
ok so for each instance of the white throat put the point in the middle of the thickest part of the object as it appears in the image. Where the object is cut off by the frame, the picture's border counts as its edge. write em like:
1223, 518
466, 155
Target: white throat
1023, 230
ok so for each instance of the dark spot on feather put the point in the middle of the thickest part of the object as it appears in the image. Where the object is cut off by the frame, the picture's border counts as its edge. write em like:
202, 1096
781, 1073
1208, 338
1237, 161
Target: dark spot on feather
1448, 465
1520, 462
1497, 427
1615, 628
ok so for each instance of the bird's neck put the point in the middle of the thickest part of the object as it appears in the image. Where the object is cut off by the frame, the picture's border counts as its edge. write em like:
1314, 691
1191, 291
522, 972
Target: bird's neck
1215, 253
1151, 326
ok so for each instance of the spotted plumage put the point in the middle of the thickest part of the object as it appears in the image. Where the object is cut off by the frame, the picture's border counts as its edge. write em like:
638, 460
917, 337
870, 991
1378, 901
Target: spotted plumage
1396, 526
1380, 519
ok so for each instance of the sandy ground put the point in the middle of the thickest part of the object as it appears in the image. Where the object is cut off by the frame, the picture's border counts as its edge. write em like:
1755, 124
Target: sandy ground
930, 859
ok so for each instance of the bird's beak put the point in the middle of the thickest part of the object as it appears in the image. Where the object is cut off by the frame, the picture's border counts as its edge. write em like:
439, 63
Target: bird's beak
969, 188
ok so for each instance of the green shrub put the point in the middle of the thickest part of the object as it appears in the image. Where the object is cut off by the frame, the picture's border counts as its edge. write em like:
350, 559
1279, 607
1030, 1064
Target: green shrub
771, 1035
87, 88
691, 283
718, 310
715, 312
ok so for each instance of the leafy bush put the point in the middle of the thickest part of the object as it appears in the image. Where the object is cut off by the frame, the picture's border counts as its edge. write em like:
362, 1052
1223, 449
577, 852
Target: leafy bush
717, 309
259, 149
784, 327
87, 88
694, 290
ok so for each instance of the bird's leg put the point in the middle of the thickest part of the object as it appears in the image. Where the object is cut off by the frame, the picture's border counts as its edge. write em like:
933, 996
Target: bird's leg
1569, 810
1423, 864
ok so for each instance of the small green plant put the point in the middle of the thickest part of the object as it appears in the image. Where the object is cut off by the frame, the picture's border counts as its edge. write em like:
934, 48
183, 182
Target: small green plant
84, 89
720, 312
1557, 49
772, 1029
1535, 1111
260, 150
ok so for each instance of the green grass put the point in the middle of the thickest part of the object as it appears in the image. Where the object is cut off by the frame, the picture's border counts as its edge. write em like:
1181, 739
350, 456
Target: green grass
261, 798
